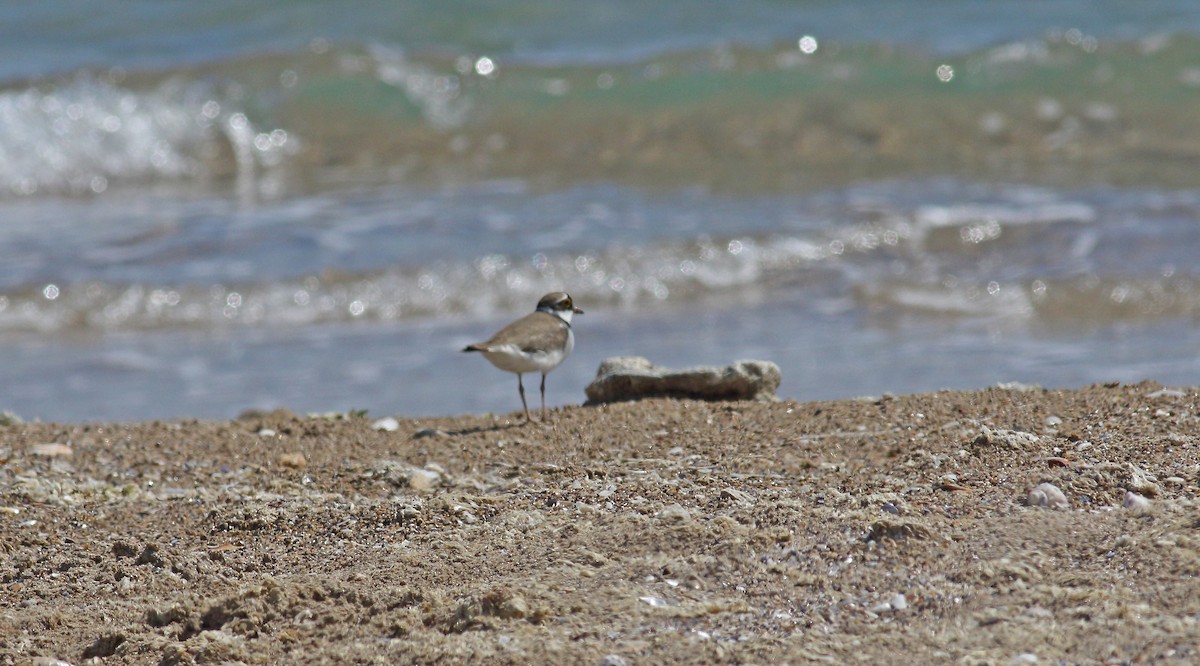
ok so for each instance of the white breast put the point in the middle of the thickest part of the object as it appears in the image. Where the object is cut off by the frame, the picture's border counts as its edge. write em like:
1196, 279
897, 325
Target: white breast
512, 359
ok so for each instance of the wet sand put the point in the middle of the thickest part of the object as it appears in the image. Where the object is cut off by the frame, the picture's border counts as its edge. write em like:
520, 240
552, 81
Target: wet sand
889, 530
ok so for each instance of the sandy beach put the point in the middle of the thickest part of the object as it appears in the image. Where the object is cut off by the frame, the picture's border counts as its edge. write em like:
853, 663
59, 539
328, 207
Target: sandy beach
879, 530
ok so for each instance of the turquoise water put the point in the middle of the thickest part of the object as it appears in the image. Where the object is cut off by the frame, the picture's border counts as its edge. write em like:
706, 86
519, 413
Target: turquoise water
211, 207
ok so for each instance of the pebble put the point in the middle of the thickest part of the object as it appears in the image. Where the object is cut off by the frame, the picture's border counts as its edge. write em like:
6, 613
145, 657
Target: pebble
1142, 482
613, 660
736, 495
1024, 658
386, 424
896, 603
423, 479
428, 432
1012, 439
1135, 502
675, 513
514, 608
51, 450
293, 460
1048, 495
266, 432
150, 556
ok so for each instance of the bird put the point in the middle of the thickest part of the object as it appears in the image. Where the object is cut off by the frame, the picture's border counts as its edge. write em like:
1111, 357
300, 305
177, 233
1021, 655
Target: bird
538, 342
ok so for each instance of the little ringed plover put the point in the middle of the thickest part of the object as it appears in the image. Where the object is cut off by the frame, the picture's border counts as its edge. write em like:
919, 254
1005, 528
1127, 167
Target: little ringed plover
537, 342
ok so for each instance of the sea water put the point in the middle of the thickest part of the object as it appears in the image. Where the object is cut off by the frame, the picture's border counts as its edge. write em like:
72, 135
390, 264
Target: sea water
222, 206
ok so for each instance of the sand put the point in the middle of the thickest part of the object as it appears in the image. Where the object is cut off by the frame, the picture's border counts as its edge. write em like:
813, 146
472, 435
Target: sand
888, 530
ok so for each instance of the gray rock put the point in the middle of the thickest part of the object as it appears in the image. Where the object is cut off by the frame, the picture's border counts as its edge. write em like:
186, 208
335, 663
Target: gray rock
633, 377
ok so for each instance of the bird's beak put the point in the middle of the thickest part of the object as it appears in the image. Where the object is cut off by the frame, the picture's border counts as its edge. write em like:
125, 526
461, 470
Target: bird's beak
577, 310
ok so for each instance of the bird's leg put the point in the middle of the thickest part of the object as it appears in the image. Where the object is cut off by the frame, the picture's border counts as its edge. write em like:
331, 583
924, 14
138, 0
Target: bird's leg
521, 388
543, 397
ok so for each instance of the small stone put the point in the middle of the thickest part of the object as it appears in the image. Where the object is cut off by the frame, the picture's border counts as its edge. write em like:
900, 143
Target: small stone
1174, 481
514, 608
49, 661
674, 513
613, 660
1010, 439
105, 646
1047, 495
1135, 502
429, 432
293, 460
898, 530
1142, 482
266, 432
386, 424
1024, 658
157, 617
51, 450
950, 482
739, 496
423, 479
896, 603
150, 556
587, 509
1053, 421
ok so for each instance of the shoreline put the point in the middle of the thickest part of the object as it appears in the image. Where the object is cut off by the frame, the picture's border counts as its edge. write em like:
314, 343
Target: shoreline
660, 531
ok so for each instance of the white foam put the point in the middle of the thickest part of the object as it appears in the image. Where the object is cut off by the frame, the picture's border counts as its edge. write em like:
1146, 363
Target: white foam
79, 135
962, 214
